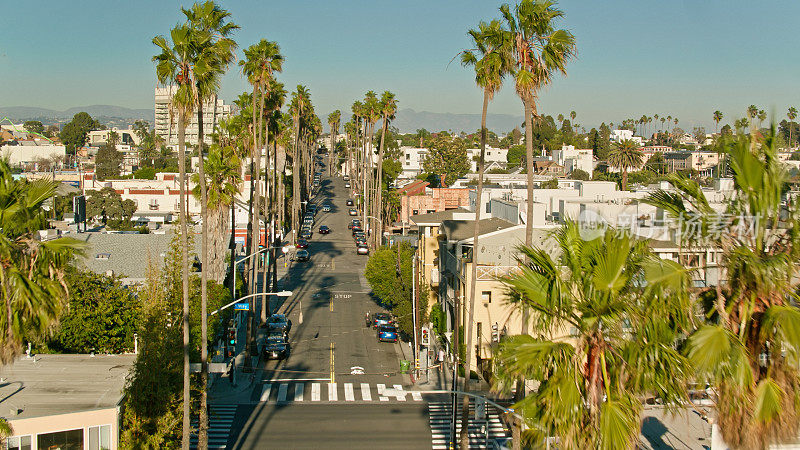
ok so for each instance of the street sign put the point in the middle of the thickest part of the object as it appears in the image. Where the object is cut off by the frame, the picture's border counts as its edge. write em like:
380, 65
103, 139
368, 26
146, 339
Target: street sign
241, 306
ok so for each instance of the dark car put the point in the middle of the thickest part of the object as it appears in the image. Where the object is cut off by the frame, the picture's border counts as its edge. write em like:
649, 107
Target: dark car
278, 323
382, 319
353, 212
326, 208
356, 229
362, 249
302, 243
306, 234
359, 236
324, 230
354, 223
349, 202
303, 255
276, 346
387, 333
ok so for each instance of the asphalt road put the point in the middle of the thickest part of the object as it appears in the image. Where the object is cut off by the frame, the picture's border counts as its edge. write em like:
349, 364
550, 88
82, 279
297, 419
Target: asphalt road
294, 405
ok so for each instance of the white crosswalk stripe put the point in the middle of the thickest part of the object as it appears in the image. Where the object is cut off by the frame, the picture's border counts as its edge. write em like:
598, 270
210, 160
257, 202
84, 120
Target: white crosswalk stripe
220, 420
295, 392
440, 417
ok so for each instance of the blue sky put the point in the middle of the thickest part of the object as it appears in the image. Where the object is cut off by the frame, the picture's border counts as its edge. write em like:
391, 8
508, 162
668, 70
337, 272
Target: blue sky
684, 58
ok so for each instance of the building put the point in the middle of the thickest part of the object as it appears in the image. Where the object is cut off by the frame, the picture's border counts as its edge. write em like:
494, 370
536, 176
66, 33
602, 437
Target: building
419, 199
99, 137
571, 158
702, 162
64, 401
618, 136
166, 124
497, 157
32, 151
411, 159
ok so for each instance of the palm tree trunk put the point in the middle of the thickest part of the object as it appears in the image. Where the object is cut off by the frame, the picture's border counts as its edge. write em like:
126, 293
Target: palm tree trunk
529, 111
624, 178
184, 276
474, 274
379, 184
255, 174
202, 439
269, 230
296, 180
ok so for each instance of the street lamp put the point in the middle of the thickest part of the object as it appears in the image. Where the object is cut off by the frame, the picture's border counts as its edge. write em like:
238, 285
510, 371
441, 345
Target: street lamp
279, 294
285, 249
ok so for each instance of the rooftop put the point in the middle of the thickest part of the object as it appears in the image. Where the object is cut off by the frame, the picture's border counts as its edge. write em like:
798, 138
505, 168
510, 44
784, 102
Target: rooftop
458, 230
435, 218
60, 384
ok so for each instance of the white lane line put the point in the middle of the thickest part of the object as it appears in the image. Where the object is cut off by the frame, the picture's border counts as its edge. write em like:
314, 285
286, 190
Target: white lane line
381, 387
417, 396
282, 392
348, 392
333, 394
366, 395
401, 394
315, 390
265, 391
298, 391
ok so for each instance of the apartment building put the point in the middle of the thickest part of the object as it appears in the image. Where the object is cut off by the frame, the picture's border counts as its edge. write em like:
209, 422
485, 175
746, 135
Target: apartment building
166, 122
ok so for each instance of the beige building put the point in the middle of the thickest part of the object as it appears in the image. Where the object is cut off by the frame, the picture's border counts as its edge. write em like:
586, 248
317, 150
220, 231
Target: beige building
64, 401
166, 122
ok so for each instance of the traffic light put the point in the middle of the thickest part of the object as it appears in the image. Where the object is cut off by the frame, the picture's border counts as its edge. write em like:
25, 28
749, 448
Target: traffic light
231, 337
495, 333
425, 340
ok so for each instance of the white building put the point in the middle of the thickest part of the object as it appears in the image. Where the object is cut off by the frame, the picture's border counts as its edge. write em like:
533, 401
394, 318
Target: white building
572, 158
624, 135
32, 151
99, 137
492, 156
411, 159
166, 124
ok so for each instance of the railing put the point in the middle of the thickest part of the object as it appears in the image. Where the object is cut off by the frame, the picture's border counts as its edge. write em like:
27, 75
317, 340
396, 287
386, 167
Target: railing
488, 273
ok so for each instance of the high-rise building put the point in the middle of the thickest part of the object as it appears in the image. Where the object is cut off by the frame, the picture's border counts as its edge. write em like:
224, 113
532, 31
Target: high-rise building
166, 125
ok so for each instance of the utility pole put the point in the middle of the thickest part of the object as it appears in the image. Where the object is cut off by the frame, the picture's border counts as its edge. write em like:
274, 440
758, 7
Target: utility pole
414, 306
456, 327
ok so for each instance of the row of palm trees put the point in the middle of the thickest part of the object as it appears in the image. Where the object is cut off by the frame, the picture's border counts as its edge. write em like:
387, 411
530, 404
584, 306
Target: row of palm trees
191, 62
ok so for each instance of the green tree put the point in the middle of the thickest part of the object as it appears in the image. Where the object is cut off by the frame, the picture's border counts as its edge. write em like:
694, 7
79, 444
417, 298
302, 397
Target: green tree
390, 277
540, 51
516, 155
552, 183
447, 159
73, 134
31, 270
748, 348
579, 174
33, 126
717, 118
107, 204
626, 155
107, 162
791, 114
622, 343
102, 316
334, 119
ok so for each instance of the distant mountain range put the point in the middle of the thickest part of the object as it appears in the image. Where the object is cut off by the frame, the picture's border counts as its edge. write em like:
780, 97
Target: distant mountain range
99, 112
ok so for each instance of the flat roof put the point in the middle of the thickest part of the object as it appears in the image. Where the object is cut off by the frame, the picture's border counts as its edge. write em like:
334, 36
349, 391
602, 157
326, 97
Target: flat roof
435, 218
458, 230
47, 385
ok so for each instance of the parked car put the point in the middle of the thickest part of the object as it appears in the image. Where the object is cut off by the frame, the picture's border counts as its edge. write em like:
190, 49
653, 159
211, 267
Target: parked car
279, 323
303, 255
276, 346
387, 333
354, 223
381, 319
355, 229
306, 234
326, 208
349, 202
324, 229
347, 185
346, 178
353, 212
362, 249
301, 243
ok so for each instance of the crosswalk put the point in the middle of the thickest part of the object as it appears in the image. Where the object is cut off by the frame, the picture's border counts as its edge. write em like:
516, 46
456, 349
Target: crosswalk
440, 416
304, 392
220, 420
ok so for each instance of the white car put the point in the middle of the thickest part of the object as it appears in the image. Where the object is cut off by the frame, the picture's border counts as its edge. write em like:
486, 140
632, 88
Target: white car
347, 185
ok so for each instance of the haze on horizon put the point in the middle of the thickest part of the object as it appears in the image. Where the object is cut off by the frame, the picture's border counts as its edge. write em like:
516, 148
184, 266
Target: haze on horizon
682, 58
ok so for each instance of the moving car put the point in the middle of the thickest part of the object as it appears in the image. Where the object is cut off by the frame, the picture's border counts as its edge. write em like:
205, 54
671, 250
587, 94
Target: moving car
303, 255
301, 243
349, 202
278, 323
353, 212
324, 230
381, 319
276, 347
362, 249
387, 333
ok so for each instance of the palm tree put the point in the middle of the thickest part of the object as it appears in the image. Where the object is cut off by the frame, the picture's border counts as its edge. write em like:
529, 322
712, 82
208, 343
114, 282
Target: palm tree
752, 112
372, 113
592, 377
491, 61
301, 102
749, 347
762, 116
539, 50
388, 107
560, 119
213, 52
741, 124
675, 121
173, 68
32, 271
717, 119
334, 119
626, 155
791, 114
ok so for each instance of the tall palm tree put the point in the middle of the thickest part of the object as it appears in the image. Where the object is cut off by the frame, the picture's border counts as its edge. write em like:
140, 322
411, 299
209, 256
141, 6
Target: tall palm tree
173, 69
791, 114
388, 107
301, 102
626, 155
675, 121
213, 52
334, 119
749, 347
717, 118
276, 97
540, 51
32, 285
492, 61
560, 119
372, 110
624, 309
762, 116
752, 112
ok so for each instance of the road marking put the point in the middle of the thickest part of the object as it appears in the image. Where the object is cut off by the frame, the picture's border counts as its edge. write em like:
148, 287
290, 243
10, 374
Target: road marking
282, 392
348, 392
401, 394
298, 391
333, 379
417, 396
333, 394
381, 387
315, 392
366, 395
265, 391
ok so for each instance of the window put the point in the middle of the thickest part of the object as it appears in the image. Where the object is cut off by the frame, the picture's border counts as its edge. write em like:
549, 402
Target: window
19, 443
63, 440
415, 212
486, 296
100, 437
